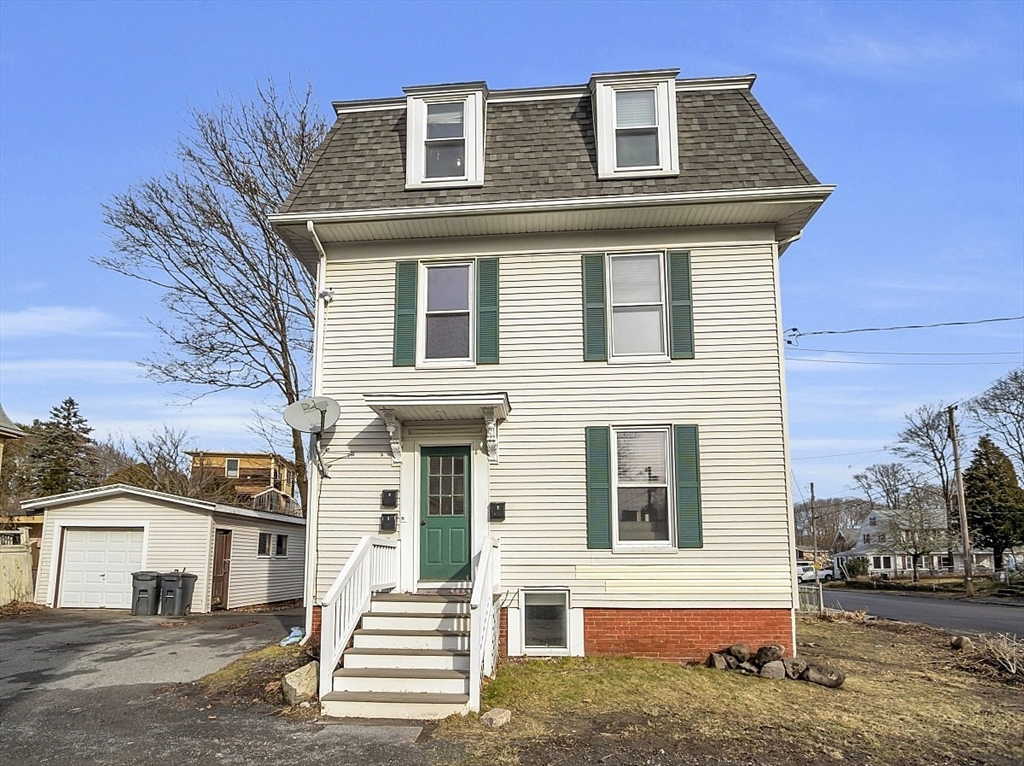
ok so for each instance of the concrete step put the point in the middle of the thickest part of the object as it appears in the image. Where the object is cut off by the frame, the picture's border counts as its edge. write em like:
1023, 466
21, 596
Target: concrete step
391, 705
410, 659
374, 620
403, 681
407, 603
411, 639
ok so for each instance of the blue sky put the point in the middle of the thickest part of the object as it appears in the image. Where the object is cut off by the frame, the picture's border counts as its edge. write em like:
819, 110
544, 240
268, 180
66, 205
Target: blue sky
914, 110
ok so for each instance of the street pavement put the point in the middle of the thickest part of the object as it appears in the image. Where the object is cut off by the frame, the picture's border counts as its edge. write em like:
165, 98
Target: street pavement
105, 688
956, 615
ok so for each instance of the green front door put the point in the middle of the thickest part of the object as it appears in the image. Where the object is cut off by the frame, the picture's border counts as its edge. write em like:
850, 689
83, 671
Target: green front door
444, 514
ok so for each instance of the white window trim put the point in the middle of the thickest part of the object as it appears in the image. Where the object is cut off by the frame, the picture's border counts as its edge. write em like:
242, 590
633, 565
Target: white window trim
654, 546
421, 318
238, 468
270, 548
604, 91
546, 651
610, 310
474, 102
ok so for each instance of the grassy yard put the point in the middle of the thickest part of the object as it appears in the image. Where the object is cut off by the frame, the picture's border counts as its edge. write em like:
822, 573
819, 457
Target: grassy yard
906, 700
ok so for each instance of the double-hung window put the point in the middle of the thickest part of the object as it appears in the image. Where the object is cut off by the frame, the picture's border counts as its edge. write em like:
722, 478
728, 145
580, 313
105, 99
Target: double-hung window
445, 136
636, 124
637, 307
446, 313
642, 492
231, 467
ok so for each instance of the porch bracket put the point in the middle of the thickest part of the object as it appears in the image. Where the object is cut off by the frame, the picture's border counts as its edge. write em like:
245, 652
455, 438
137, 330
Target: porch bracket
491, 421
394, 426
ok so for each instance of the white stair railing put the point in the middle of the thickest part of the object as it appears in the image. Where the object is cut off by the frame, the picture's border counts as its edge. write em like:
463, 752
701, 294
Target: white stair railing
483, 620
372, 567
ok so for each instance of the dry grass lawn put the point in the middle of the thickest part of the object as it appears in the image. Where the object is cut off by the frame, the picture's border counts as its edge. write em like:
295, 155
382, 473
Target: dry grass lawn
905, 701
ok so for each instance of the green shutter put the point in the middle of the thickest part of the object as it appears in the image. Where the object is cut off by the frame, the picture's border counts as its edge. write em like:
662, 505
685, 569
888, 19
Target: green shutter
595, 345
681, 304
687, 455
487, 311
404, 352
599, 487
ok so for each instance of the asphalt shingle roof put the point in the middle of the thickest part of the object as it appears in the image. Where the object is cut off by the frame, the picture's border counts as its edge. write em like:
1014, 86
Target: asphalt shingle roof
543, 150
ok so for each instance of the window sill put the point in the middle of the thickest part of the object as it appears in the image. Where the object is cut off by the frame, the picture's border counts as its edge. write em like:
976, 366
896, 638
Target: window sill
639, 360
646, 550
437, 364
444, 183
543, 651
639, 173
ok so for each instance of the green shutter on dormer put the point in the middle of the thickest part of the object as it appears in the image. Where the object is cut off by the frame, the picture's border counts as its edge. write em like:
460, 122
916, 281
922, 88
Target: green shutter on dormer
680, 304
595, 343
404, 351
599, 487
487, 311
688, 517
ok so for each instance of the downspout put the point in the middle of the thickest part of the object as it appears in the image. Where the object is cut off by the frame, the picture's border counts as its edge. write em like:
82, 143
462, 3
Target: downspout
323, 297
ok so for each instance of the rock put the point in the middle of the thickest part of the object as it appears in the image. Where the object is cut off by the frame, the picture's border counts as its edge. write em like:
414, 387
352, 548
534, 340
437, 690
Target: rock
794, 667
774, 670
748, 667
496, 717
962, 643
740, 651
305, 704
717, 661
301, 685
824, 675
732, 662
767, 654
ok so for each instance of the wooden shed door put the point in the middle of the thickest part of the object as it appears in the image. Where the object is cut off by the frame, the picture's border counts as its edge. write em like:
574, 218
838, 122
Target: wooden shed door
221, 569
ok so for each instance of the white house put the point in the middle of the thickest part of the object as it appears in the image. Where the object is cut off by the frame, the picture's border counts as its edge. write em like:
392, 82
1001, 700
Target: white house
551, 319
93, 540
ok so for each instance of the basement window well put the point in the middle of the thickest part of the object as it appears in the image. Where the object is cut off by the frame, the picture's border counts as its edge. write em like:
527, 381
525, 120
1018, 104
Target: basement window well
545, 621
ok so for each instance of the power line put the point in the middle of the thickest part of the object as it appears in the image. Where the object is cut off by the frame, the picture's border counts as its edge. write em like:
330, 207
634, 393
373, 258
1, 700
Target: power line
910, 353
899, 364
843, 454
793, 333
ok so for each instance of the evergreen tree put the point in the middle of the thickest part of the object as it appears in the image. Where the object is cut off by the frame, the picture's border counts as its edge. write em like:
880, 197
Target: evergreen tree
60, 458
995, 501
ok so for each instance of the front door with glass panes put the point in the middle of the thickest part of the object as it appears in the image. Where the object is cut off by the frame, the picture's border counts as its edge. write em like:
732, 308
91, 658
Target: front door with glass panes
444, 514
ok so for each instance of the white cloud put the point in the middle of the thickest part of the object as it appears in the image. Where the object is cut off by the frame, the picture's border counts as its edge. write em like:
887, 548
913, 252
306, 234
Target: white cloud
71, 370
61, 320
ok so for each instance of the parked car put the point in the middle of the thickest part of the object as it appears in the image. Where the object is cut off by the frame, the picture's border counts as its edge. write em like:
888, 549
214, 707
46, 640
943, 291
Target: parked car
807, 573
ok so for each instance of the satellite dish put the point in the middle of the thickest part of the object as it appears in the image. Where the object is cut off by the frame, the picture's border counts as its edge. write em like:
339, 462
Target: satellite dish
312, 416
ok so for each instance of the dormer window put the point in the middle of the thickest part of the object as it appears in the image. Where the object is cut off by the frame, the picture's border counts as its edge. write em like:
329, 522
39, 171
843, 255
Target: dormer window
635, 124
445, 137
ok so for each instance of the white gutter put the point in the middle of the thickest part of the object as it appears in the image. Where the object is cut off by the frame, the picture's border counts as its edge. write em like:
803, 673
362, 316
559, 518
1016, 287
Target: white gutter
323, 296
783, 194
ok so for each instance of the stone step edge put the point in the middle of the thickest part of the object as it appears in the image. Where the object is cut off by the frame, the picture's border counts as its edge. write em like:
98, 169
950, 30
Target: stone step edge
399, 673
403, 698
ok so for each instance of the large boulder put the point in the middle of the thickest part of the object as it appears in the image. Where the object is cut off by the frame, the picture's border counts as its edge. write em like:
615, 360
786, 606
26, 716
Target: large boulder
496, 718
774, 670
770, 653
740, 651
795, 667
962, 644
748, 667
824, 675
717, 661
301, 685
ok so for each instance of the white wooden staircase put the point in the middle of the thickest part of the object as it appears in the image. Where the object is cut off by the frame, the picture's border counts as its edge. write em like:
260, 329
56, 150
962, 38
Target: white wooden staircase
410, 659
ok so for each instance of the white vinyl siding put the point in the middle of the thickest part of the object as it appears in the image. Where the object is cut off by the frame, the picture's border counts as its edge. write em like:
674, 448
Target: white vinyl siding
733, 391
255, 579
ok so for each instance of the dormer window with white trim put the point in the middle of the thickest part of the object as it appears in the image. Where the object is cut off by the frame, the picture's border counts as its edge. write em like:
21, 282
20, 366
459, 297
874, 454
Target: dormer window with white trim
445, 136
635, 124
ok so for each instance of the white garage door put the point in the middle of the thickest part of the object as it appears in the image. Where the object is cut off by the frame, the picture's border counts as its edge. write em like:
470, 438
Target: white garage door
97, 565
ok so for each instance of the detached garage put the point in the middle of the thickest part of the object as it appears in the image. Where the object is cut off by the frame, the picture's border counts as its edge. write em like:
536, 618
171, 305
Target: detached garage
94, 539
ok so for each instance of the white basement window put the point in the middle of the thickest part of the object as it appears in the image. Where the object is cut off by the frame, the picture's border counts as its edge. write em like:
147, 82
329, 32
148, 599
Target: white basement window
635, 124
545, 622
445, 136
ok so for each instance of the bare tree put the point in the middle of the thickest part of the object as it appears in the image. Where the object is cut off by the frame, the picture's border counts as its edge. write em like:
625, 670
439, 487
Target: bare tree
886, 485
240, 307
925, 440
833, 514
160, 462
918, 528
1000, 411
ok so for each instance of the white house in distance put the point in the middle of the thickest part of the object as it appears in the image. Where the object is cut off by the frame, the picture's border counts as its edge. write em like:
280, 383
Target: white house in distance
551, 319
94, 539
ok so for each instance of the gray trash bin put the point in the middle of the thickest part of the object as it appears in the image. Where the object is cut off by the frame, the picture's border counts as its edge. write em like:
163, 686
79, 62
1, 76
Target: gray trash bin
176, 589
145, 592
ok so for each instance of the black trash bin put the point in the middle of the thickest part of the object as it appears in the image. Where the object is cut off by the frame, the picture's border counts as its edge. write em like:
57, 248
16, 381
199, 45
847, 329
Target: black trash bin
145, 592
176, 589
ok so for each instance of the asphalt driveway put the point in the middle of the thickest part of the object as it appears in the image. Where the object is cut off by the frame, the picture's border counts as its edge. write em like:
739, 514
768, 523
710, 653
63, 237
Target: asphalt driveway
106, 688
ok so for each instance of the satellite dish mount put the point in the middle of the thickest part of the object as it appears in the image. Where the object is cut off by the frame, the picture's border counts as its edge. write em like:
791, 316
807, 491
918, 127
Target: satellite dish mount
313, 416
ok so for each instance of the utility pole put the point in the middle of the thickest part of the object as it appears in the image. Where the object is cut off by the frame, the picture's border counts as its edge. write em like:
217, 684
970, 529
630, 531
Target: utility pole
814, 535
965, 537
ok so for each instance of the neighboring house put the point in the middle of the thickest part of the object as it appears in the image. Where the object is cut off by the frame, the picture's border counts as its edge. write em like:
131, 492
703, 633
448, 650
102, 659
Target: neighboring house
94, 539
263, 480
845, 539
876, 543
551, 319
8, 432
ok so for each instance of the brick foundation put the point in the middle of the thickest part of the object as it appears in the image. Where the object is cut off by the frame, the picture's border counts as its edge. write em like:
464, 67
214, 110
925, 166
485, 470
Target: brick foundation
682, 635
314, 632
503, 633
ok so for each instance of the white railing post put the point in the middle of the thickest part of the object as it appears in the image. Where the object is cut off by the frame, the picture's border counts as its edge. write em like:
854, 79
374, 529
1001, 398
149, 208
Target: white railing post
483, 621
